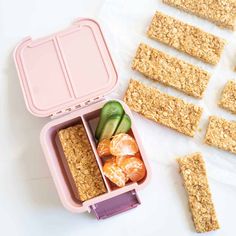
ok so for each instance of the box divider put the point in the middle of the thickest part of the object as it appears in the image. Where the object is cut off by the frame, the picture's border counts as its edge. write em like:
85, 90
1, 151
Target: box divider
93, 145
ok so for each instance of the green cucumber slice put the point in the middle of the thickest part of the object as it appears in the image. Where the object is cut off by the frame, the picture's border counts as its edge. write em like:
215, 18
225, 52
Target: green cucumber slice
110, 127
110, 108
124, 125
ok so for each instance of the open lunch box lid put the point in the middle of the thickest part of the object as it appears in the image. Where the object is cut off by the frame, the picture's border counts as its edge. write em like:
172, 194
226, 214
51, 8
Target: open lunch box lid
65, 70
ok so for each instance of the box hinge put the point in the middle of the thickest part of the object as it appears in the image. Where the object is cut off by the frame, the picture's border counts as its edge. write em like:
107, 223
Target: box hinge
76, 107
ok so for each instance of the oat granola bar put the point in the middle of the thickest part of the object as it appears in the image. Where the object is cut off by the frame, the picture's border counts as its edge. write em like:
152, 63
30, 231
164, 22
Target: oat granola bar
193, 171
221, 133
162, 108
81, 162
186, 38
228, 97
170, 71
222, 13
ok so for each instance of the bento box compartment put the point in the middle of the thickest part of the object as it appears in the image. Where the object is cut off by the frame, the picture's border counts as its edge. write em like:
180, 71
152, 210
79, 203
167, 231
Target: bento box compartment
80, 163
91, 121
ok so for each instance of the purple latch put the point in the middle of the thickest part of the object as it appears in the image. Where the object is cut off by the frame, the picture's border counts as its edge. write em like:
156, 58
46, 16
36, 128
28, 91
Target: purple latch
115, 205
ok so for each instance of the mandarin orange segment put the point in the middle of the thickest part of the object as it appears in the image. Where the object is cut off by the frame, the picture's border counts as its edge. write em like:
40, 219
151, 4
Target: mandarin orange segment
119, 159
103, 148
123, 145
134, 168
114, 173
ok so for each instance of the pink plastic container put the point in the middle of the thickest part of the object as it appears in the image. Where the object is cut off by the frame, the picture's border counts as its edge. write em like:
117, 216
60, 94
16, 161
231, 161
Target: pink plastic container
65, 76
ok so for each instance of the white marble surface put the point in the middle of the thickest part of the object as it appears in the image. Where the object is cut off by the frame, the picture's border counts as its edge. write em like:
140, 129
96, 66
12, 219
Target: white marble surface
29, 204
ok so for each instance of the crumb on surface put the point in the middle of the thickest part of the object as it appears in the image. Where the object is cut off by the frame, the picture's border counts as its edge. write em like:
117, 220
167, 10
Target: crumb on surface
186, 38
228, 97
162, 108
193, 170
221, 133
170, 71
81, 161
222, 13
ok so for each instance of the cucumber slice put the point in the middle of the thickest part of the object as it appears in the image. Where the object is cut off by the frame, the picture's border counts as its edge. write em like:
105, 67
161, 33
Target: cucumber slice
110, 108
124, 125
110, 127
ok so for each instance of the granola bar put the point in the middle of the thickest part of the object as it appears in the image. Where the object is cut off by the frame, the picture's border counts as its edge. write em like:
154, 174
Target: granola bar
228, 97
81, 162
170, 71
186, 38
162, 108
193, 171
221, 133
222, 13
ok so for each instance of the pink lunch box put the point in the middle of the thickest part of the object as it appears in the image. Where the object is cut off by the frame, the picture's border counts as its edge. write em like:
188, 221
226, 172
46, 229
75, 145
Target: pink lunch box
65, 76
